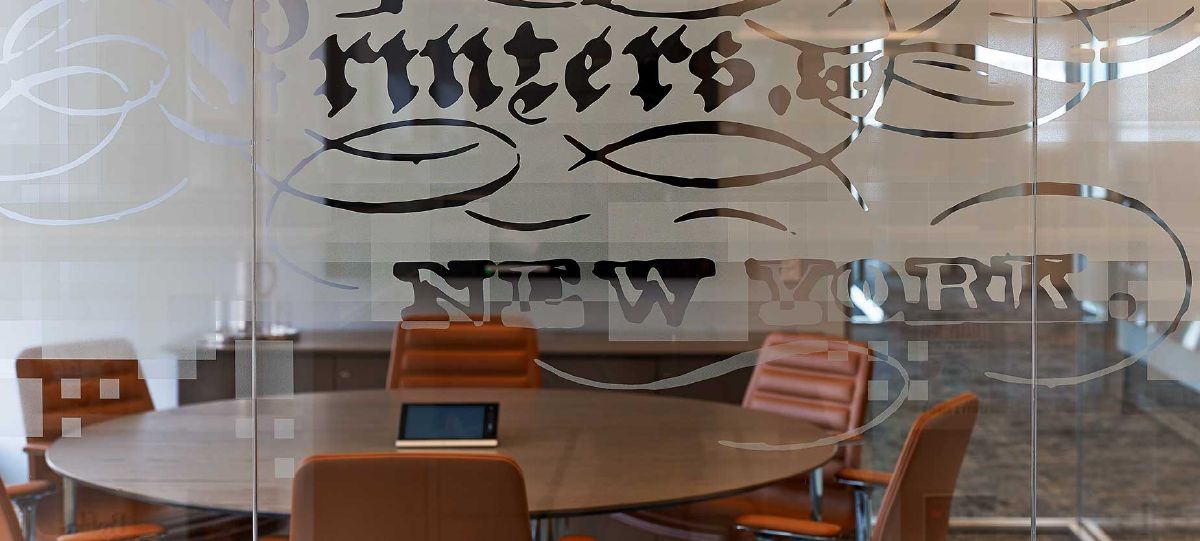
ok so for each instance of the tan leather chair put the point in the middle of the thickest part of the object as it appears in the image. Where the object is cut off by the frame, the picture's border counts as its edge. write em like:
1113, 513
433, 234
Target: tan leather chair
87, 391
916, 504
410, 497
816, 378
71, 389
10, 529
441, 353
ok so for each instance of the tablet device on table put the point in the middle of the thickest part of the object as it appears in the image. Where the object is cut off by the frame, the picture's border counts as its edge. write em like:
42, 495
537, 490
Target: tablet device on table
448, 425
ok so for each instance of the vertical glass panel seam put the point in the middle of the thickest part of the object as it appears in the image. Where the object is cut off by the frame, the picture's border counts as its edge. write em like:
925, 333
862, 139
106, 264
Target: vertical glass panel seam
1033, 330
253, 263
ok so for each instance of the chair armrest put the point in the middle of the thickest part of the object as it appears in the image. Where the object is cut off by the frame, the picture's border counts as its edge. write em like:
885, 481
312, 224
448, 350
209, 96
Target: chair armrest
131, 532
776, 525
864, 478
32, 489
36, 449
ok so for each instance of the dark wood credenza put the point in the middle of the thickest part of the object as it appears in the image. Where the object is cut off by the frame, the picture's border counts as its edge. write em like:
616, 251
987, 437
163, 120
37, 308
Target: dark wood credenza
358, 359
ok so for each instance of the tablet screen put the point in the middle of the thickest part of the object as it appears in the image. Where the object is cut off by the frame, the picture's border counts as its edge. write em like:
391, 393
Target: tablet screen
448, 421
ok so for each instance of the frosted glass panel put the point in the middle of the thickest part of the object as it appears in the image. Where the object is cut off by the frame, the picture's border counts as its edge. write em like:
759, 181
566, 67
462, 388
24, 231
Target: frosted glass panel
708, 258
660, 190
125, 189
1114, 166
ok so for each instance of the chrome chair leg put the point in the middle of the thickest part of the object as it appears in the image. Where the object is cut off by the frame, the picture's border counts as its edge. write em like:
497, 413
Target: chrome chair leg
27, 507
28, 511
543, 529
862, 514
816, 491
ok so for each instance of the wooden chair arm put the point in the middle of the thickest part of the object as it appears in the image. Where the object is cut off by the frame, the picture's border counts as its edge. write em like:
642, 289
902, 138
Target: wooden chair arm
32, 489
36, 449
777, 525
132, 532
864, 478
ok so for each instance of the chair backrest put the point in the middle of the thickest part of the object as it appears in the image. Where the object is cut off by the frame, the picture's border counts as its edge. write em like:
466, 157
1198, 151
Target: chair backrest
79, 392
10, 529
817, 378
916, 505
409, 497
432, 353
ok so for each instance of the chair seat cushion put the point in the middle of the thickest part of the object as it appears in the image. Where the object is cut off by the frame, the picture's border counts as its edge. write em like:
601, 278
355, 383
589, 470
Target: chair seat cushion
772, 523
714, 520
118, 533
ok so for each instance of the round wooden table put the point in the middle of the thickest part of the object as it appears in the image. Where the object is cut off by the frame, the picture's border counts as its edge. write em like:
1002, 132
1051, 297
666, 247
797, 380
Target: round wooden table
582, 452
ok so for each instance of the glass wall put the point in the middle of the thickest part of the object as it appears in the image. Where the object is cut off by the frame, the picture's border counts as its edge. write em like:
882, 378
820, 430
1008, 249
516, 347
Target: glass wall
710, 258
1113, 355
125, 190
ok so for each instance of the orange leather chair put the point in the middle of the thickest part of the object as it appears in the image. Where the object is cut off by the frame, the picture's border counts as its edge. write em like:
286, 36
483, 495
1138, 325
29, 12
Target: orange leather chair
23, 494
816, 378
440, 353
916, 504
24, 497
410, 497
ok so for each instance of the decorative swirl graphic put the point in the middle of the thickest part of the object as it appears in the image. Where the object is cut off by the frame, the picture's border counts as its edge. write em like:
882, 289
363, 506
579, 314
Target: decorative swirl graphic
456, 199
721, 128
1076, 14
528, 226
533, 4
1086, 191
23, 87
732, 9
385, 6
209, 55
341, 144
112, 217
875, 66
748, 359
734, 214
